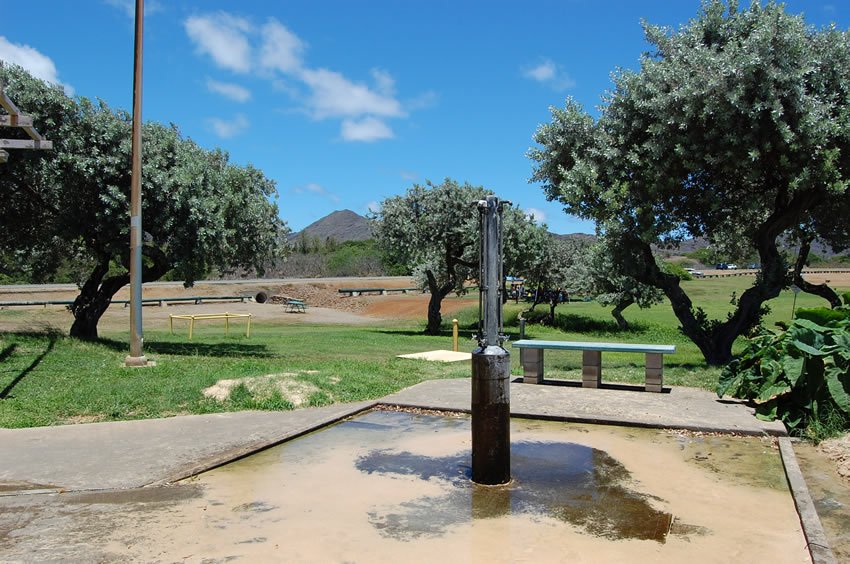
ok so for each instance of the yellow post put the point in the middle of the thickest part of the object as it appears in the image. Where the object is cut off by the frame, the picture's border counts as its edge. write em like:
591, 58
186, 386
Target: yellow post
248, 332
226, 323
171, 322
454, 335
191, 326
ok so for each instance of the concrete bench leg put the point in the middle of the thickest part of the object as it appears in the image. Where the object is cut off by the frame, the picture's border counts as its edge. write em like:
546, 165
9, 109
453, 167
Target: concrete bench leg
532, 365
654, 372
591, 369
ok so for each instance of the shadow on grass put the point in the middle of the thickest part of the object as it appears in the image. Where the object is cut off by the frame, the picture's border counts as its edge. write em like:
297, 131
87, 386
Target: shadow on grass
7, 352
445, 332
196, 349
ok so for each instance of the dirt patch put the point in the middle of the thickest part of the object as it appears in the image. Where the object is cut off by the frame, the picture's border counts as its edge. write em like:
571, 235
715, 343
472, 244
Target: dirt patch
286, 384
838, 450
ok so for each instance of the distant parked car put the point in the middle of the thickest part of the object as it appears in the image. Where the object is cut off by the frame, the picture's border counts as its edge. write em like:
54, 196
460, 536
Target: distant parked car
695, 273
732, 266
754, 265
721, 266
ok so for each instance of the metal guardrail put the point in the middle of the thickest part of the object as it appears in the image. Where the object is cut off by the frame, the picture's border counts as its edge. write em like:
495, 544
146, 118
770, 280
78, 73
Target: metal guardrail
226, 316
146, 301
751, 272
382, 291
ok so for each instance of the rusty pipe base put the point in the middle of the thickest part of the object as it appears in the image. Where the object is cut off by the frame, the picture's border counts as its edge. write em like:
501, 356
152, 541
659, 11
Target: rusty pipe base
491, 416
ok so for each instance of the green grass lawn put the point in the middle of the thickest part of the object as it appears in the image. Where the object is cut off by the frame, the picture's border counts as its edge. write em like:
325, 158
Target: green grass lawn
47, 378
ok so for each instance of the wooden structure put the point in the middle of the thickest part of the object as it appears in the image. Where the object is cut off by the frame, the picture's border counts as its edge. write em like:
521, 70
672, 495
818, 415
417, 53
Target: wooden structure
15, 118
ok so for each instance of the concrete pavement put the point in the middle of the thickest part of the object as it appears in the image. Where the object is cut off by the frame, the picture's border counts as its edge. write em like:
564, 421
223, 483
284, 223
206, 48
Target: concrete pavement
131, 454
125, 456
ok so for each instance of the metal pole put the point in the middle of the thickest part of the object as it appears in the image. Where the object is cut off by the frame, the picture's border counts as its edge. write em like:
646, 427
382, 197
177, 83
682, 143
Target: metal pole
454, 335
491, 363
136, 357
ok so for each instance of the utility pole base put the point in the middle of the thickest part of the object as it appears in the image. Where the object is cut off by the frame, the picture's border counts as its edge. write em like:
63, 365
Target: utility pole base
491, 416
137, 361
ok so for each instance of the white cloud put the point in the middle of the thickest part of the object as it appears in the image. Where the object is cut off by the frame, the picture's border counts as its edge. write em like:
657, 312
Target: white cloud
317, 189
37, 64
367, 129
549, 73
224, 38
384, 82
229, 90
424, 100
333, 95
281, 49
409, 175
227, 128
542, 72
275, 53
538, 216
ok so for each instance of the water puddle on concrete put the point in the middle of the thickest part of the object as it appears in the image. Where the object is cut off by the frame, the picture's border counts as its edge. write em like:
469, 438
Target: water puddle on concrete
831, 495
389, 486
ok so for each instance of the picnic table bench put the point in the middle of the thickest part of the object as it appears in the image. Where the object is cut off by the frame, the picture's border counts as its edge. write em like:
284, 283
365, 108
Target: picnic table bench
296, 306
531, 358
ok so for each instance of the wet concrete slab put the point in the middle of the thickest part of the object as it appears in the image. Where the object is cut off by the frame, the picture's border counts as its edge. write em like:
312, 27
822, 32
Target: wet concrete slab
395, 487
677, 407
132, 454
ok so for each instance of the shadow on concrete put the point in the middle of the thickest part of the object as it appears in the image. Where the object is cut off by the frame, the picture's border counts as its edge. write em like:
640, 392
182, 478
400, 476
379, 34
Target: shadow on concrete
603, 386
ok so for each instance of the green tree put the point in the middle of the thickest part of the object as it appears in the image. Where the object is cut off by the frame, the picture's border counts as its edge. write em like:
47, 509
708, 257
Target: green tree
433, 230
200, 212
735, 129
612, 285
559, 269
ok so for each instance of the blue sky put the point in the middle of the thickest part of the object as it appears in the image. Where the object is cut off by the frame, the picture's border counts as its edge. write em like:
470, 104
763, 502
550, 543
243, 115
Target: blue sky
346, 103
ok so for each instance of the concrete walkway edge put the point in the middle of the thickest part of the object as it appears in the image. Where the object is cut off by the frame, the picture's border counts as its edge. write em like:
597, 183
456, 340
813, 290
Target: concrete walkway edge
816, 540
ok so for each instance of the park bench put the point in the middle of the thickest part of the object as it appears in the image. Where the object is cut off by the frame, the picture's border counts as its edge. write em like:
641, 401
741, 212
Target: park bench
296, 306
531, 358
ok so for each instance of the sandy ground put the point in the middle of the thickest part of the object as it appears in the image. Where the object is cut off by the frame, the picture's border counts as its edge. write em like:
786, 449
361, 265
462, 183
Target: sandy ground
838, 450
326, 305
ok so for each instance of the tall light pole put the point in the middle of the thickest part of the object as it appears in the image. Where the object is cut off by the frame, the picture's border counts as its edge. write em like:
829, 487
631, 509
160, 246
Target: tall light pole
136, 356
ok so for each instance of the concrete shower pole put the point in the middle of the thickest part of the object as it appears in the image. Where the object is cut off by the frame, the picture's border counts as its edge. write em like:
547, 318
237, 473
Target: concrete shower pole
491, 363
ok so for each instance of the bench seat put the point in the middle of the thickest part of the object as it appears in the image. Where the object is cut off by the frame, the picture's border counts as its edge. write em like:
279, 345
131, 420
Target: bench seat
296, 306
531, 358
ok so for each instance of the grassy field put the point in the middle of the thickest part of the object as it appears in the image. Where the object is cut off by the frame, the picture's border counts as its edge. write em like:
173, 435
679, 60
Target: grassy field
47, 378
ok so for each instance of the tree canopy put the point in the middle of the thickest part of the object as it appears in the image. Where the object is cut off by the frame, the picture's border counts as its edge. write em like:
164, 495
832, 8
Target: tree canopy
433, 230
200, 212
734, 129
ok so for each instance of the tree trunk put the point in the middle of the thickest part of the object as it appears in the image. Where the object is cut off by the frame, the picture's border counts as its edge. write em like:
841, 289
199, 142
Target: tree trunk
822, 290
714, 338
538, 298
435, 318
95, 297
97, 292
617, 313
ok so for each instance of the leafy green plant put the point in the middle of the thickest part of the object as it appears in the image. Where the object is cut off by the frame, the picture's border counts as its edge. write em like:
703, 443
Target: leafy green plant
800, 376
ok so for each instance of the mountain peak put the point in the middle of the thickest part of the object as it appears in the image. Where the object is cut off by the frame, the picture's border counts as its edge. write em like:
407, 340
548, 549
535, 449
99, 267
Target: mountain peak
341, 225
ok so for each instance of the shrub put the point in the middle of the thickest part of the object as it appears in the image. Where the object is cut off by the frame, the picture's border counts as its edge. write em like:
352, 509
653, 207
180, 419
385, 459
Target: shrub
800, 376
